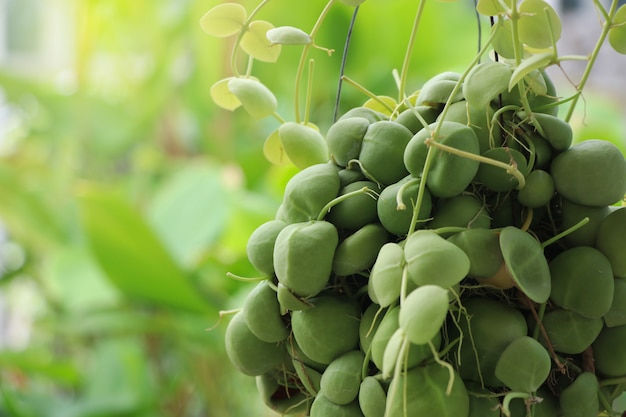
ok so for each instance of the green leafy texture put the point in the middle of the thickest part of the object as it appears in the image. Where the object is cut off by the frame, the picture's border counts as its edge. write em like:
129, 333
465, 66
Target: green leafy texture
426, 393
223, 97
610, 240
617, 33
572, 272
353, 3
262, 313
385, 278
288, 35
260, 246
493, 7
503, 39
569, 332
273, 149
256, 44
537, 83
539, 24
423, 312
358, 251
41, 362
529, 65
130, 253
535, 369
77, 282
224, 20
609, 352
249, 354
580, 398
485, 81
342, 378
179, 209
372, 397
328, 330
119, 378
433, 260
526, 263
303, 144
255, 97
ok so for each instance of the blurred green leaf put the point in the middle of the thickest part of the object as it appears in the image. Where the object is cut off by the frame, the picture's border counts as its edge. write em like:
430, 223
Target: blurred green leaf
78, 283
190, 210
617, 33
131, 255
254, 41
224, 19
40, 362
24, 207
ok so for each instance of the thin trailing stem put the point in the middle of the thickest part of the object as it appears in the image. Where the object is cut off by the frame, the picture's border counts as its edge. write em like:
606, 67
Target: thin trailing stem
305, 52
368, 93
309, 91
510, 169
344, 59
409, 51
565, 232
233, 57
608, 21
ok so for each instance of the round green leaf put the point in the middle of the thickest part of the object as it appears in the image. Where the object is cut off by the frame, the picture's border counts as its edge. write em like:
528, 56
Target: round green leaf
224, 20
617, 33
526, 263
222, 96
539, 24
485, 81
256, 98
535, 369
503, 39
273, 150
256, 44
303, 144
423, 312
492, 7
288, 35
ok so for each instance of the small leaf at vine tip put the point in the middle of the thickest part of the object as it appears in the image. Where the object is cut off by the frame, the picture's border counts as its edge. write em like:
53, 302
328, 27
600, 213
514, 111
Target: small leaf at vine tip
539, 25
273, 150
617, 33
255, 43
375, 104
493, 7
256, 98
353, 3
222, 96
224, 20
485, 81
288, 35
535, 62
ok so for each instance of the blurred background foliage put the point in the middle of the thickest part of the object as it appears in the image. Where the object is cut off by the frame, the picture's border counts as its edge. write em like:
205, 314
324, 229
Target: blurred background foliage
126, 195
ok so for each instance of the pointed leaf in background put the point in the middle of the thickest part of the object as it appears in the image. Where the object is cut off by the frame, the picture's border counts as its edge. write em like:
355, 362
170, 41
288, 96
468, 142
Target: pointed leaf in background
190, 212
130, 253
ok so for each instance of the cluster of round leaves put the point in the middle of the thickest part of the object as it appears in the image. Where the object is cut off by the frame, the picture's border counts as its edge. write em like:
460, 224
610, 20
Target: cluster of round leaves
444, 260
452, 255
